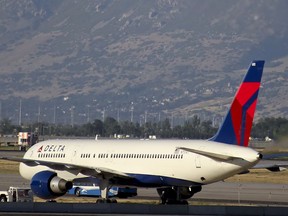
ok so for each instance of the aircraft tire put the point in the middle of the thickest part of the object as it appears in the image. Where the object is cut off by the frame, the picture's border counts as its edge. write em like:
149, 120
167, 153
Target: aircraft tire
113, 201
77, 192
3, 198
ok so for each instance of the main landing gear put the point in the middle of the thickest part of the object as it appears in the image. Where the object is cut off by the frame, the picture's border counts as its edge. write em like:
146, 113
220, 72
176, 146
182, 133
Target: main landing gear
171, 196
104, 188
177, 195
106, 201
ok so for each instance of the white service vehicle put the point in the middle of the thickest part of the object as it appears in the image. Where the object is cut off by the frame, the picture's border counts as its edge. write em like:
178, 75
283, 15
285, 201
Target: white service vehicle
16, 194
26, 139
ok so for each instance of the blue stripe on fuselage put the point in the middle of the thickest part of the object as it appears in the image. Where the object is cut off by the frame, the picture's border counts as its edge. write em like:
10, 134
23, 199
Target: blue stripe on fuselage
144, 180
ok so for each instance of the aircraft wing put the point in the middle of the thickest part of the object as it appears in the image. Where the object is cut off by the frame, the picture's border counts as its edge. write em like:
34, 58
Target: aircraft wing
275, 156
86, 170
273, 166
213, 155
273, 162
16, 159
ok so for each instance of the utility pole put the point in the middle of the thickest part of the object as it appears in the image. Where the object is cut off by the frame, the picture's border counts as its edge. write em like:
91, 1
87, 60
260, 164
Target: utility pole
54, 114
132, 110
20, 113
88, 113
39, 113
103, 115
72, 115
172, 121
0, 110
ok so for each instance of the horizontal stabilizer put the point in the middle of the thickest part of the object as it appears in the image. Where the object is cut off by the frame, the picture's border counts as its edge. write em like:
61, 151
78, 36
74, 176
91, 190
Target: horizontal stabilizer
213, 155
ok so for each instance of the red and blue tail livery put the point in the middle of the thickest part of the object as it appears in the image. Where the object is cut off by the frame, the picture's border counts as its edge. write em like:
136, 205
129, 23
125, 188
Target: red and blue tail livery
237, 125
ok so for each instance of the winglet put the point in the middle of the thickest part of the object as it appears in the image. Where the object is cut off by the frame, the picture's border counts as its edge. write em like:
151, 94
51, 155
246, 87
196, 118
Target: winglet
237, 124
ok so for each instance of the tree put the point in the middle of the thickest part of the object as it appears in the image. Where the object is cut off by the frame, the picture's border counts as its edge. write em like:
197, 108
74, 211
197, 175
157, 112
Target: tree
207, 130
128, 128
97, 127
111, 127
178, 132
166, 131
6, 127
274, 128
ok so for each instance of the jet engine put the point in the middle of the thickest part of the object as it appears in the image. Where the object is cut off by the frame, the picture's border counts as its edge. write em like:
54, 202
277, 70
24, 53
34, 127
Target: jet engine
47, 185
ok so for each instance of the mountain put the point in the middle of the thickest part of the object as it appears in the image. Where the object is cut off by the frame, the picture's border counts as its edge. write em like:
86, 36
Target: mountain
71, 60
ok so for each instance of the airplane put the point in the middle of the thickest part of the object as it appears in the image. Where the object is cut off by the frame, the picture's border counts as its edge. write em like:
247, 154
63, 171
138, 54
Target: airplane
176, 168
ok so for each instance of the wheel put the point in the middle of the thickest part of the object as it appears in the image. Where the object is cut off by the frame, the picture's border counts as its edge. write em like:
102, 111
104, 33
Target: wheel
177, 202
99, 201
113, 201
3, 198
78, 192
106, 201
184, 202
51, 201
122, 196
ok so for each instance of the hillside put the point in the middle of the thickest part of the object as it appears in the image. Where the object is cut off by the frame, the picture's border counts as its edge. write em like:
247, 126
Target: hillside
74, 59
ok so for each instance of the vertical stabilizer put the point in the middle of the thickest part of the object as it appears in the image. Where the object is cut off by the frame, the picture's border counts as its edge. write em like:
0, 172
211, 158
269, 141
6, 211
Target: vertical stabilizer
237, 124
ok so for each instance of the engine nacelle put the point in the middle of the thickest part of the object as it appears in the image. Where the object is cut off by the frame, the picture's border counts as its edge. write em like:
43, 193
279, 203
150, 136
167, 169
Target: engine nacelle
47, 185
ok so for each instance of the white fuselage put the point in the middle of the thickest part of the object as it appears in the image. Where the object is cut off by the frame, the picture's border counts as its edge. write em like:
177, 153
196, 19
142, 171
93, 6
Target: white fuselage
142, 159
